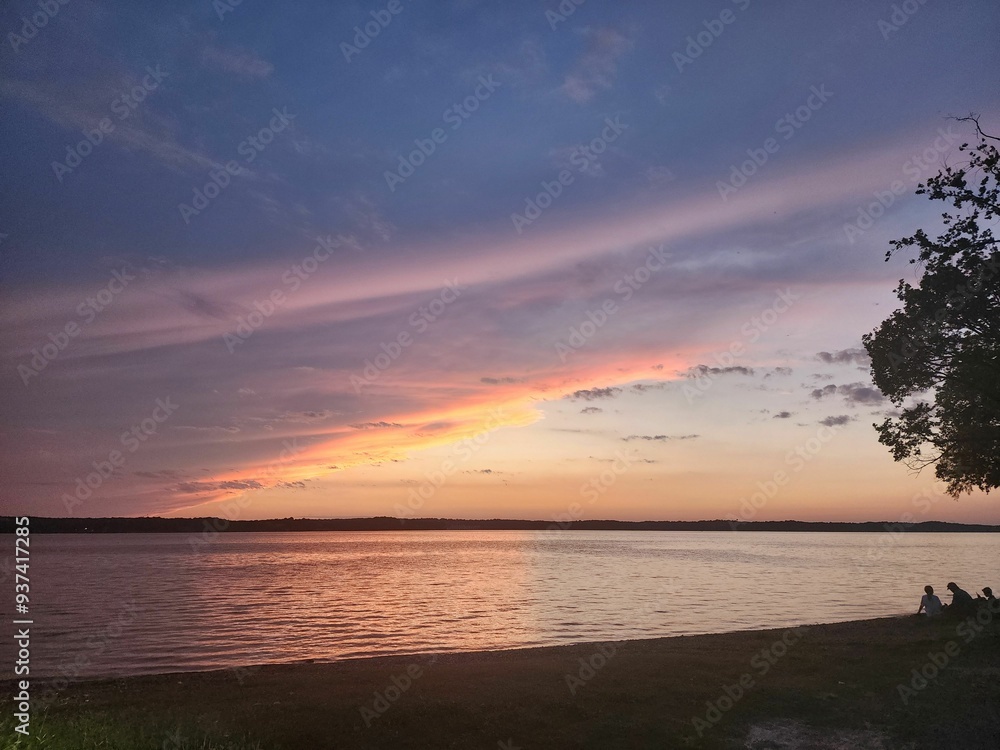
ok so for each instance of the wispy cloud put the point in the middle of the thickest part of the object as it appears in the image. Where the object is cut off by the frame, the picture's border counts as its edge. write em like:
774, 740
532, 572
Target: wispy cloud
73, 111
853, 393
597, 67
700, 371
659, 438
238, 61
845, 356
592, 394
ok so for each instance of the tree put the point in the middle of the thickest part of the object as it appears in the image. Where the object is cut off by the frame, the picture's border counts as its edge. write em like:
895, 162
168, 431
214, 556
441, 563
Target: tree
938, 358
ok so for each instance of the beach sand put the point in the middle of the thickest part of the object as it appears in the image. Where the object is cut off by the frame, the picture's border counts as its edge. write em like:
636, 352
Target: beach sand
819, 686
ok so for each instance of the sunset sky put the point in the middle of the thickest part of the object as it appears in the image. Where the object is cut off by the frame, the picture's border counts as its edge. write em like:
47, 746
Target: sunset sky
495, 260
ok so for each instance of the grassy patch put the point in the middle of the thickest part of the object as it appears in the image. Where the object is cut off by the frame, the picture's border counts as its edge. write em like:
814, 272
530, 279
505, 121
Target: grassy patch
90, 732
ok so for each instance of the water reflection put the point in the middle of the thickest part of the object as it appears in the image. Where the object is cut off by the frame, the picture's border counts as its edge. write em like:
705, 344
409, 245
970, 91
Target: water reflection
120, 604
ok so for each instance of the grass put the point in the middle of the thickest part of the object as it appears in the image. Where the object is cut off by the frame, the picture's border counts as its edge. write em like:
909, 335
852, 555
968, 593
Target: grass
835, 687
114, 731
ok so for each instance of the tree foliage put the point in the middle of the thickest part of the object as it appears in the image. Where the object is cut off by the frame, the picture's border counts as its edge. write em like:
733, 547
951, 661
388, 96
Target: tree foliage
938, 358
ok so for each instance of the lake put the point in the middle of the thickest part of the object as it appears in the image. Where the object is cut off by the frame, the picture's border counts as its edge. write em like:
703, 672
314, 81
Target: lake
145, 603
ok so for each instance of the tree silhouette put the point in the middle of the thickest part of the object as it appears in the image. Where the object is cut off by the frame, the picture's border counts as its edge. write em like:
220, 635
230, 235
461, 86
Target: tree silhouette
938, 358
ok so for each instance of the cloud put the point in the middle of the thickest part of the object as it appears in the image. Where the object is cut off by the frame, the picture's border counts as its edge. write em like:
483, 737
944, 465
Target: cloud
74, 111
501, 381
591, 410
435, 426
863, 394
595, 393
241, 62
853, 393
701, 371
597, 68
783, 371
377, 425
659, 438
657, 177
844, 357
838, 421
297, 417
826, 390
210, 429
782, 415
230, 484
643, 387
201, 305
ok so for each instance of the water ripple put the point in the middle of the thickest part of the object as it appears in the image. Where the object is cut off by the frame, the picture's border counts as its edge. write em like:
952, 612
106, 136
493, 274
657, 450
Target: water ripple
127, 604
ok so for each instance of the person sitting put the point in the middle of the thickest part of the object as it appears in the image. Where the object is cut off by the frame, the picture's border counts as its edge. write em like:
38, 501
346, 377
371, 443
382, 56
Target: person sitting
987, 599
962, 603
929, 603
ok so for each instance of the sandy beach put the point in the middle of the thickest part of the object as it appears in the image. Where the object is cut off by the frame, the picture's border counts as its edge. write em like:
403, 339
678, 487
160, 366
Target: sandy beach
886, 683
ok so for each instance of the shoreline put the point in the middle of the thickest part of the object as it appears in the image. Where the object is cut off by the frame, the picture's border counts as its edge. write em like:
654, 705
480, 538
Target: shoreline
412, 655
212, 526
184, 670
830, 684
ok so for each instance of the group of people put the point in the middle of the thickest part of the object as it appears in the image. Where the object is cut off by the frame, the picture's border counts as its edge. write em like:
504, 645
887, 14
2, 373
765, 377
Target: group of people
962, 603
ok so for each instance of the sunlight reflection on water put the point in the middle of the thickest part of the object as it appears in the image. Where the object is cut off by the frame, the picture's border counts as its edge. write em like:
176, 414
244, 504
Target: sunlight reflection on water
126, 604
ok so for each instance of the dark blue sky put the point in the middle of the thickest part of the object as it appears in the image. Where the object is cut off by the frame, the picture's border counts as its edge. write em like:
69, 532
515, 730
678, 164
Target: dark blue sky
352, 120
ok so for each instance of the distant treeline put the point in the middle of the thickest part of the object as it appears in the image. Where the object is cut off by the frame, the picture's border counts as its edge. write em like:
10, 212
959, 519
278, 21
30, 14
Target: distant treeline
40, 525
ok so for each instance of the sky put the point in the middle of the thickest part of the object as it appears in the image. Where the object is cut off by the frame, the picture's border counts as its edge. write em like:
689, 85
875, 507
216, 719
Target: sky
577, 260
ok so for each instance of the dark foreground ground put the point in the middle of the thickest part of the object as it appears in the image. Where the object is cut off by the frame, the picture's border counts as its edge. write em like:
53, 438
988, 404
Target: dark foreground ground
823, 686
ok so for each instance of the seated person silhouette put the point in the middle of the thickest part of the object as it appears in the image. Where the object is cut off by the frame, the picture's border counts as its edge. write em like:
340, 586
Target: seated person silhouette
962, 603
929, 603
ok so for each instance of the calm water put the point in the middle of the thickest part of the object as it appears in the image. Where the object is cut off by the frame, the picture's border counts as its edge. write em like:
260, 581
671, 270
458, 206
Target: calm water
126, 604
